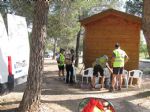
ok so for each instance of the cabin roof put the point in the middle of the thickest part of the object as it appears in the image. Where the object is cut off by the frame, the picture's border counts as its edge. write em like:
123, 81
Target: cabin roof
109, 12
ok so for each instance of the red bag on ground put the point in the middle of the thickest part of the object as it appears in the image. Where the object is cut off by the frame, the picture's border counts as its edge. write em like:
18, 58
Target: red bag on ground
93, 105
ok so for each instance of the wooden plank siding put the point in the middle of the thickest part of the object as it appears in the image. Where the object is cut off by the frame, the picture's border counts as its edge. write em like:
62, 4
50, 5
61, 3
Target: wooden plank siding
102, 34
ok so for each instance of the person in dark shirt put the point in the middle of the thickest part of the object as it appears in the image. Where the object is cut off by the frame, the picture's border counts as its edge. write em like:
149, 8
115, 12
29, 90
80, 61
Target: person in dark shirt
69, 60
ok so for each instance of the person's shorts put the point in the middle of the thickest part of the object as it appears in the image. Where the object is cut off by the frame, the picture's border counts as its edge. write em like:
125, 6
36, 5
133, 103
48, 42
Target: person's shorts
61, 67
117, 70
98, 69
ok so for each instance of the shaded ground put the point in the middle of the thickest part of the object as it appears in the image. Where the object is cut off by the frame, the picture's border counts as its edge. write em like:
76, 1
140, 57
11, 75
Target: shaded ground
60, 97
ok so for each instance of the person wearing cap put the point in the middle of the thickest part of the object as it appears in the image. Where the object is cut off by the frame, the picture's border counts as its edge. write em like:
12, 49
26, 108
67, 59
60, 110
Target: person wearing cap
98, 68
119, 58
61, 63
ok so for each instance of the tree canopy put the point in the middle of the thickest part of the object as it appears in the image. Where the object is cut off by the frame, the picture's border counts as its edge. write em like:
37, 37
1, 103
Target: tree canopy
134, 7
63, 16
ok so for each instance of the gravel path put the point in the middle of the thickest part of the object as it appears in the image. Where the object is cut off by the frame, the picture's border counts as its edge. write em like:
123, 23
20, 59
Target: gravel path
60, 97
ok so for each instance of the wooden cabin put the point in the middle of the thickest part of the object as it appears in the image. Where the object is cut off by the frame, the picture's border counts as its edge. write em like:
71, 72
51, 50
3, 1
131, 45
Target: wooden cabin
105, 29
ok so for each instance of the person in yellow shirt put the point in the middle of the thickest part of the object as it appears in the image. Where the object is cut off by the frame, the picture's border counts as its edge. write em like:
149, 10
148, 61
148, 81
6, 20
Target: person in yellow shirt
119, 58
61, 63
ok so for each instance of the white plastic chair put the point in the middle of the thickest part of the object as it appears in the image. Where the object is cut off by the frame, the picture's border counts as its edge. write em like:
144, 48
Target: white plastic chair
135, 74
74, 74
125, 77
87, 73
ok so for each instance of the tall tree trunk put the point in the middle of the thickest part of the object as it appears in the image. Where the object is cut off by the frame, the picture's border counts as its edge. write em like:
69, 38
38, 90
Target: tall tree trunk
31, 97
77, 48
54, 48
146, 23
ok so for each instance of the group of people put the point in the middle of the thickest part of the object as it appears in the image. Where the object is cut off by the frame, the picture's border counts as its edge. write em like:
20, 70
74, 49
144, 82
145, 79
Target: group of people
66, 60
119, 58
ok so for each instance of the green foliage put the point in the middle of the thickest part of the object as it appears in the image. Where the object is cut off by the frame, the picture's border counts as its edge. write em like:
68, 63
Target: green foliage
143, 50
48, 46
90, 7
4, 6
64, 18
134, 7
19, 7
23, 8
62, 23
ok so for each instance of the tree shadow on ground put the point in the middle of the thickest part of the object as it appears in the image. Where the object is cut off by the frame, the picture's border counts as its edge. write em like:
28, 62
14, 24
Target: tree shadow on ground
56, 86
122, 105
9, 110
21, 87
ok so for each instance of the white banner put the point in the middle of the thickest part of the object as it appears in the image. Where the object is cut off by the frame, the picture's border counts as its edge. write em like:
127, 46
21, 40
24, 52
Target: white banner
3, 52
19, 44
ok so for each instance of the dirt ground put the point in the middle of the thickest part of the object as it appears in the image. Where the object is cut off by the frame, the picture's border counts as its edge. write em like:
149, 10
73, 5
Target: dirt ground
60, 97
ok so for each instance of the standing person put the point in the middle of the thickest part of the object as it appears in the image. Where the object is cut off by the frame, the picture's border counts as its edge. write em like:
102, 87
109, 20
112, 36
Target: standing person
99, 66
119, 58
61, 63
69, 59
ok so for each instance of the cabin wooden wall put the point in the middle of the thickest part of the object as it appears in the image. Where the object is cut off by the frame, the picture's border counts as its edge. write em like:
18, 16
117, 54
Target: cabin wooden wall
101, 36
